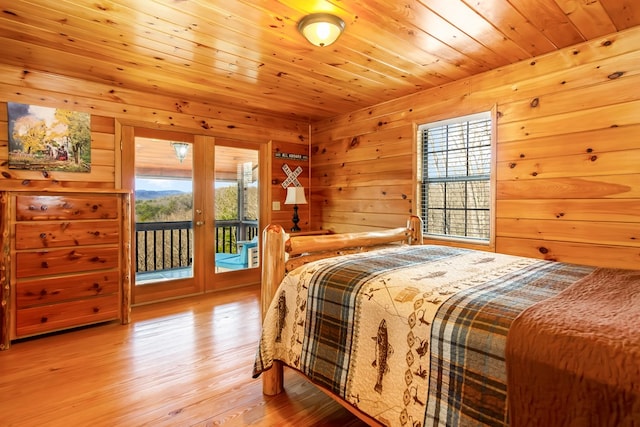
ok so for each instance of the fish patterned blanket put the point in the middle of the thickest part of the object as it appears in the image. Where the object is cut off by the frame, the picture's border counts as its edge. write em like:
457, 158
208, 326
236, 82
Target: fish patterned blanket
411, 335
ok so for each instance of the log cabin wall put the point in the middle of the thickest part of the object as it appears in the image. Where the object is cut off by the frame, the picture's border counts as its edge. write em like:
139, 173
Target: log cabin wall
567, 165
110, 105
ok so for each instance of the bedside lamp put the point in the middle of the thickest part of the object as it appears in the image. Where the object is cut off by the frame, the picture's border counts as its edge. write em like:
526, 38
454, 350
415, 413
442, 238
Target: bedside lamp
295, 197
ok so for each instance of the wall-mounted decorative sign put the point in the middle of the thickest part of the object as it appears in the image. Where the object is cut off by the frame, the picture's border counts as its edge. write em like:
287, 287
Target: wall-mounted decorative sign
42, 138
292, 176
291, 156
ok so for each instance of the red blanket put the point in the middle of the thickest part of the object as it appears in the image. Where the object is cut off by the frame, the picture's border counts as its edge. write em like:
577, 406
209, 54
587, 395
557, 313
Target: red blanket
574, 359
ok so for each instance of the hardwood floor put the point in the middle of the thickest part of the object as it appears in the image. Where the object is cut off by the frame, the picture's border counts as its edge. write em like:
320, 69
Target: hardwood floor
179, 363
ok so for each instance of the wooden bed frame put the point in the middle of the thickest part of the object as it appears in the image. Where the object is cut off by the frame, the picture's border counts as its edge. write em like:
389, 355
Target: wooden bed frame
282, 253
576, 319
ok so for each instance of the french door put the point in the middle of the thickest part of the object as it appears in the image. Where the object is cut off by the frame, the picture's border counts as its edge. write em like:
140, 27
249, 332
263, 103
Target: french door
178, 182
237, 207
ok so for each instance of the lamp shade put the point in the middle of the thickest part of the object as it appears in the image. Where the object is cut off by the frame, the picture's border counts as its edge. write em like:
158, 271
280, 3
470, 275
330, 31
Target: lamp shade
295, 196
321, 29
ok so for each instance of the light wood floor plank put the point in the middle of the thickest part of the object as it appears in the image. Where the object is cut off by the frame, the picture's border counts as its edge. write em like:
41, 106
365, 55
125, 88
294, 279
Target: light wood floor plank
179, 363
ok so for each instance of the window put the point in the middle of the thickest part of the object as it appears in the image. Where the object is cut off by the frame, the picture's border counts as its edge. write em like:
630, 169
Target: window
455, 176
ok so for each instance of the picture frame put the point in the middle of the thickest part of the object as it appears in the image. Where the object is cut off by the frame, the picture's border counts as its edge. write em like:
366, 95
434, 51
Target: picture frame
48, 139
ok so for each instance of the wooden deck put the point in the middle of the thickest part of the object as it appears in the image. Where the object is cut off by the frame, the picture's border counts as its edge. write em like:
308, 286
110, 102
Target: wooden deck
179, 363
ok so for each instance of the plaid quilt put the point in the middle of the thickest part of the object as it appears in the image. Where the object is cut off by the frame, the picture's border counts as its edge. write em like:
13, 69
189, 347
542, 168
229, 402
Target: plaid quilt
409, 335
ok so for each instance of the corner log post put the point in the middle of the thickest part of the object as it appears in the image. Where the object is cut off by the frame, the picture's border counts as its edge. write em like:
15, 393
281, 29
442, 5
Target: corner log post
303, 249
125, 300
5, 273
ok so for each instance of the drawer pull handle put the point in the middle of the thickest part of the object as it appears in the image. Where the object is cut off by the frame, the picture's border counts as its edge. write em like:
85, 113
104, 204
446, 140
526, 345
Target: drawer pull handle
43, 235
44, 264
43, 208
43, 319
96, 309
43, 293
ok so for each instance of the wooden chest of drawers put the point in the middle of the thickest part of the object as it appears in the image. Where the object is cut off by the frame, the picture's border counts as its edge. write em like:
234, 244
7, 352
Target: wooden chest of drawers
68, 257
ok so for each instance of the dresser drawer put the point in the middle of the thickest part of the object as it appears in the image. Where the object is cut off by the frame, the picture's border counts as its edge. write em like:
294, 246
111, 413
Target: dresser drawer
35, 235
53, 290
49, 318
38, 208
58, 261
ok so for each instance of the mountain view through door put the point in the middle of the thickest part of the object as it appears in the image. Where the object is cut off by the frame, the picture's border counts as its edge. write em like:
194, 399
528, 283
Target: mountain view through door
168, 222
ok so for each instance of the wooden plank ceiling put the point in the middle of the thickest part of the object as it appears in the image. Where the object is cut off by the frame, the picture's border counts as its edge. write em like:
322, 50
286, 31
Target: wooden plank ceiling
249, 55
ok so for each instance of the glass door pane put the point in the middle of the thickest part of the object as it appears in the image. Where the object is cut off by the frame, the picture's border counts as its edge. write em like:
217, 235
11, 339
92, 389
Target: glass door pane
164, 238
237, 206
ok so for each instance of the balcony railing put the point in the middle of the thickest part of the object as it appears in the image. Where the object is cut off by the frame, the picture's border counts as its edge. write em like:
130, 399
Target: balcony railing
169, 245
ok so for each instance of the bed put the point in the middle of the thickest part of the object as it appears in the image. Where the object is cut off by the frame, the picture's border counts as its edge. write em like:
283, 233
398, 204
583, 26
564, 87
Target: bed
403, 333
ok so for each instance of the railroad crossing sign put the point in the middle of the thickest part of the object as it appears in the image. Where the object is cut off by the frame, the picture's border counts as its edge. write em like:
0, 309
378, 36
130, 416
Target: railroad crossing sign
292, 176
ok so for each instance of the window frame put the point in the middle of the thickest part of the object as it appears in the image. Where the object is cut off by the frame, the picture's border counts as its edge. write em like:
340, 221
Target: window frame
485, 244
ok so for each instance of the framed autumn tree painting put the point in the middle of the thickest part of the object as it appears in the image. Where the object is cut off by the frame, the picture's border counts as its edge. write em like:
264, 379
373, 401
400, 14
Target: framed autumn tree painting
52, 139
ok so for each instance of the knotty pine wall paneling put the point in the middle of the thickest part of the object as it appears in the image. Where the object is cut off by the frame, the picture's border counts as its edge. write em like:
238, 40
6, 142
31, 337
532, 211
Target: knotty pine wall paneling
114, 112
110, 105
567, 165
363, 181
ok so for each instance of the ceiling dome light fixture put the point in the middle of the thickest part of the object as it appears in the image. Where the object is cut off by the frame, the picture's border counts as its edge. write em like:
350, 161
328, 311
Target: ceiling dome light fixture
321, 29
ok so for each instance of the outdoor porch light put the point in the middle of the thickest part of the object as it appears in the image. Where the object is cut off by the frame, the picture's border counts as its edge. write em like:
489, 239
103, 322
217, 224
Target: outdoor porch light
321, 29
181, 150
295, 197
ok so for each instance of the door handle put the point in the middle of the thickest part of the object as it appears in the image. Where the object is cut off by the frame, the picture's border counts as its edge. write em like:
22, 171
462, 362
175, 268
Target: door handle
199, 223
